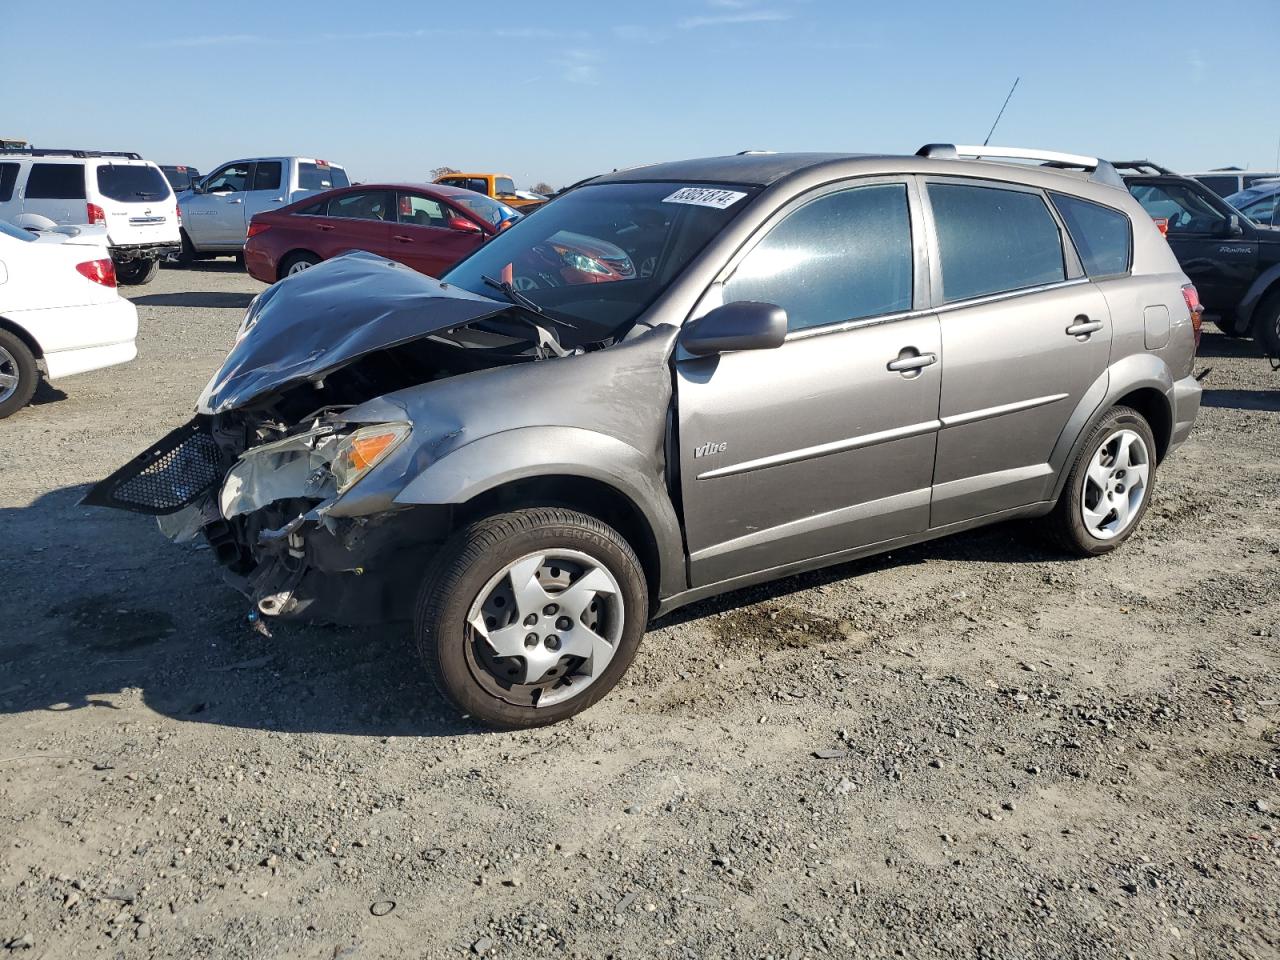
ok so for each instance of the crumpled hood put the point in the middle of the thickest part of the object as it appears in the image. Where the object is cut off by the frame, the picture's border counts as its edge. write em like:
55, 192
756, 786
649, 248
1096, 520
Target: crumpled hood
314, 322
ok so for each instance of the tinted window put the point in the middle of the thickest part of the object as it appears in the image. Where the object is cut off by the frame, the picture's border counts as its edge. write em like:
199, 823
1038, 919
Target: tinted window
56, 181
1101, 235
366, 205
266, 175
1185, 207
992, 240
840, 257
8, 177
180, 177
503, 185
130, 183
313, 210
1221, 185
320, 176
233, 178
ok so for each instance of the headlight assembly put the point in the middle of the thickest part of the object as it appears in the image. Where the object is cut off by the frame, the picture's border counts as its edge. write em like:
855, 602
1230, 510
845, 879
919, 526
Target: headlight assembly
361, 451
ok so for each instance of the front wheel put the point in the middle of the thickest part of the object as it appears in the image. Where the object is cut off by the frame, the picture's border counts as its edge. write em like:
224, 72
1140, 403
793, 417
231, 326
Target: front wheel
530, 617
1109, 487
1266, 325
132, 273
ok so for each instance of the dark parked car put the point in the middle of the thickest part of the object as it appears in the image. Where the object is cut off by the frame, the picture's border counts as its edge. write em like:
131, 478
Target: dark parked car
677, 381
1260, 203
1234, 262
424, 226
180, 177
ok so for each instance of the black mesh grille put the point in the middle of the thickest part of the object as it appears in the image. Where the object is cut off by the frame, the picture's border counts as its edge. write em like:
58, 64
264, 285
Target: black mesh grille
170, 475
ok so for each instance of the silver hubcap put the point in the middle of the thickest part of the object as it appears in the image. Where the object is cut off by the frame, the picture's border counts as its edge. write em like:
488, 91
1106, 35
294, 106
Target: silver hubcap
1115, 484
8, 375
298, 267
545, 627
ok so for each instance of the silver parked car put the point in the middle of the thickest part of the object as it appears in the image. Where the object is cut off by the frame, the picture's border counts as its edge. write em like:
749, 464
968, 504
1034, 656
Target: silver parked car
676, 381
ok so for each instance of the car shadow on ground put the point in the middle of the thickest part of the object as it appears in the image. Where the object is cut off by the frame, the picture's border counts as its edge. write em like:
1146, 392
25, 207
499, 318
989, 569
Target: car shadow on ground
1220, 345
46, 393
110, 611
195, 298
1243, 399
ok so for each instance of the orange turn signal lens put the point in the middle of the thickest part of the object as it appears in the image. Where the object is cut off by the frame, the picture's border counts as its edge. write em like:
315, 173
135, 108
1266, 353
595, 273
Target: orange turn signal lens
365, 449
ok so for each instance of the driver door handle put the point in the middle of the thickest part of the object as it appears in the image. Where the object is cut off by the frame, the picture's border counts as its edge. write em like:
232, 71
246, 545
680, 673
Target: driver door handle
237, 200
1083, 326
906, 364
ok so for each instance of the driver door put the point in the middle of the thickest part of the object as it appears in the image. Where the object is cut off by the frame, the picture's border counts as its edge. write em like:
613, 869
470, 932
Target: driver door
827, 442
215, 217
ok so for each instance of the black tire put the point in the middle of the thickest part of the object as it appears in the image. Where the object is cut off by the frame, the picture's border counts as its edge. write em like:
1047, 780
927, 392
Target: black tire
24, 367
1066, 523
187, 256
293, 260
1266, 324
469, 561
134, 273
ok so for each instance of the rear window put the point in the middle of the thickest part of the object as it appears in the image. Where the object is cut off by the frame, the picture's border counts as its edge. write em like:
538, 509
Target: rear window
180, 177
1102, 236
993, 240
56, 181
131, 183
316, 176
9, 230
8, 177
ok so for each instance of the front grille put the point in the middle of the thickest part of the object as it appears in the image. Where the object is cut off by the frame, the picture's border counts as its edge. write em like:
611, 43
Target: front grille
168, 476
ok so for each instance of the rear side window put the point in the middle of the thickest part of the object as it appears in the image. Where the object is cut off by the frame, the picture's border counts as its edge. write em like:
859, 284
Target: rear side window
131, 184
370, 205
992, 240
1102, 236
56, 181
320, 176
8, 177
313, 210
266, 175
844, 256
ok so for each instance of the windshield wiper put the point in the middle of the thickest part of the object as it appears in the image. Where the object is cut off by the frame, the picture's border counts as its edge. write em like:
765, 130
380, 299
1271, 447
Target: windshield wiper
547, 339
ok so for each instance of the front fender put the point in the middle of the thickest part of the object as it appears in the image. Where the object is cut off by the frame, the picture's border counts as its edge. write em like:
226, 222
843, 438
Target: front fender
499, 459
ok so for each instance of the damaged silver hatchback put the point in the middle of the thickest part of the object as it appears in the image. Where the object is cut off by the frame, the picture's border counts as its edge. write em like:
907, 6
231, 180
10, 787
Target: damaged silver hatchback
676, 381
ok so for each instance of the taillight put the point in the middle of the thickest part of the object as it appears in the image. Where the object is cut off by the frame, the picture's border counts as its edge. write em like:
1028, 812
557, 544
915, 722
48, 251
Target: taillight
177, 210
256, 227
99, 271
1194, 308
1162, 224
95, 214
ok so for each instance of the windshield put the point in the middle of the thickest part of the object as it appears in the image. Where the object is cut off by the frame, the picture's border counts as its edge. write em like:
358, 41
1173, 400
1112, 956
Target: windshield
491, 211
9, 230
132, 183
596, 257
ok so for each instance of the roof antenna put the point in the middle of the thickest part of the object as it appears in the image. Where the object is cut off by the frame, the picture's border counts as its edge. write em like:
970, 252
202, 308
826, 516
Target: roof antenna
1001, 113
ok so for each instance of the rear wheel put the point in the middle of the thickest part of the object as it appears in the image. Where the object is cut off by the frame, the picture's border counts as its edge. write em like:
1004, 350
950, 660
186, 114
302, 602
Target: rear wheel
529, 617
296, 263
19, 375
1109, 487
132, 273
1266, 324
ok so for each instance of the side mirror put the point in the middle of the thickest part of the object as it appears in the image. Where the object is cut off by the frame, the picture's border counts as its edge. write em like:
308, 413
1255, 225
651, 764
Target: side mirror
1230, 227
197, 186
464, 225
745, 325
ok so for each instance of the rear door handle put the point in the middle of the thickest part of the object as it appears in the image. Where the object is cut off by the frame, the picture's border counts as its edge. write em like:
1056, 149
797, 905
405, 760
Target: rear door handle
236, 201
402, 238
1083, 326
323, 226
905, 364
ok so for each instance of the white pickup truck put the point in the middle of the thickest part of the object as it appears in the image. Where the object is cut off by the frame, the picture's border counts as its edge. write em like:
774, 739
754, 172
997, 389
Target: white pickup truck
217, 209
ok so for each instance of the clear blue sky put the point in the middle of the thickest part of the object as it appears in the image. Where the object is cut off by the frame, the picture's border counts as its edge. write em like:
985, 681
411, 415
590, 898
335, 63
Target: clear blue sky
560, 91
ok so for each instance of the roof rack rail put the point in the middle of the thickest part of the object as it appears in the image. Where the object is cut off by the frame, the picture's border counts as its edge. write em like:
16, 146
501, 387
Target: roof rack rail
79, 154
1100, 171
1143, 166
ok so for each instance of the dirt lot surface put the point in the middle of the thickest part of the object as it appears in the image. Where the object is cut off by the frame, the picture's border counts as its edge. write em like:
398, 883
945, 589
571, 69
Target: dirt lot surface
974, 748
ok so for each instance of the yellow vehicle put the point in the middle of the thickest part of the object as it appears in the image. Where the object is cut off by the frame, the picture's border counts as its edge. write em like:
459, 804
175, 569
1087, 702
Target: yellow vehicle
496, 185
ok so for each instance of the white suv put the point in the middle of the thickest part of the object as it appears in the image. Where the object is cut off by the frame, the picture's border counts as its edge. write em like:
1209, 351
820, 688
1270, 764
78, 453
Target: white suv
121, 191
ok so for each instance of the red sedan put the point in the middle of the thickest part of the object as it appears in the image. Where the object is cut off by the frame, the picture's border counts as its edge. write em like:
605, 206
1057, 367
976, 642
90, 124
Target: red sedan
425, 226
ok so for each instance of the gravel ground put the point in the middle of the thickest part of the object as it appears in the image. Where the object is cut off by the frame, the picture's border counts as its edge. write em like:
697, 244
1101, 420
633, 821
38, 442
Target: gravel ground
973, 748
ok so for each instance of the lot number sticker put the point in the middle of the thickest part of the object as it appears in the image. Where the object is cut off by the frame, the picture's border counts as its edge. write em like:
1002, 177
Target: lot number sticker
705, 197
